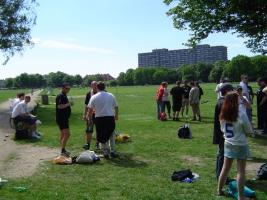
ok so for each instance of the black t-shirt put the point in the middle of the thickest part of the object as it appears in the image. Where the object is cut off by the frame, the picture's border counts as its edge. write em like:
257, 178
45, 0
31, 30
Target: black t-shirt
65, 112
177, 93
187, 89
88, 97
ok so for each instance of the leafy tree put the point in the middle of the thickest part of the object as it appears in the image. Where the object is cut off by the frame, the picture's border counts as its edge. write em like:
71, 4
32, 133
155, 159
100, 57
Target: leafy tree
160, 75
203, 70
240, 65
77, 79
216, 73
188, 72
139, 76
121, 79
16, 20
9, 82
245, 17
128, 78
260, 63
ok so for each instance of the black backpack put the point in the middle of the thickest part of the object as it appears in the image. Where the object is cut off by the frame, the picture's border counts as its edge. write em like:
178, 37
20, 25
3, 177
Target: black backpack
181, 175
184, 132
262, 172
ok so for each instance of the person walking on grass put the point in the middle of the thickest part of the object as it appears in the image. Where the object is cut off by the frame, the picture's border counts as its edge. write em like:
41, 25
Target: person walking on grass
235, 125
89, 126
217, 133
185, 102
194, 101
63, 112
106, 112
177, 93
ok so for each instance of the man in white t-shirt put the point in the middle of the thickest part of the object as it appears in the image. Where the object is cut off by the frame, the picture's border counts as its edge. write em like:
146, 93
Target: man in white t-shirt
20, 97
106, 112
20, 114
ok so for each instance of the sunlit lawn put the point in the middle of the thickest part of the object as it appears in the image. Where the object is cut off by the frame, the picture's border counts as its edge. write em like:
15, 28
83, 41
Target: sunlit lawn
145, 166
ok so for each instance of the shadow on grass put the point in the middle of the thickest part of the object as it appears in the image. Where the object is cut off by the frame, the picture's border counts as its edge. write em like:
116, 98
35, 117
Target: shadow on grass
261, 140
259, 160
127, 161
259, 185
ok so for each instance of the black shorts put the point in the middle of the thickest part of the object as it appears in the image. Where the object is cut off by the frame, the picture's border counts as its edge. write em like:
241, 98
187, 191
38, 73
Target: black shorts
63, 123
176, 106
25, 119
105, 126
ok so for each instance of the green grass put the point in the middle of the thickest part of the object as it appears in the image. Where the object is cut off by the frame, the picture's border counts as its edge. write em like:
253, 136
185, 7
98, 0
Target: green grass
146, 163
6, 94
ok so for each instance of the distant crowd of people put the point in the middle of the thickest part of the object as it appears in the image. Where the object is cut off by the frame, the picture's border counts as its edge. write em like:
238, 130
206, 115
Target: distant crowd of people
232, 120
182, 97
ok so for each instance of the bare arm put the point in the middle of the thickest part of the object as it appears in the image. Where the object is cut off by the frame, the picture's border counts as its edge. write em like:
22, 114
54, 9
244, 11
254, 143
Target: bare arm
62, 106
264, 99
116, 112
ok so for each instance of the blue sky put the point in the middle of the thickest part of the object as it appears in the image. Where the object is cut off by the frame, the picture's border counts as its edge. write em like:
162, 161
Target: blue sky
88, 37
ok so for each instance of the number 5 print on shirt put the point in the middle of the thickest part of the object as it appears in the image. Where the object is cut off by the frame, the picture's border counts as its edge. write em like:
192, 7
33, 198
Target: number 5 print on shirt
229, 130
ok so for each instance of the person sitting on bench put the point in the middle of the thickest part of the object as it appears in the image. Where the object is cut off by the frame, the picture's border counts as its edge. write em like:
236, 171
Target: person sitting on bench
20, 114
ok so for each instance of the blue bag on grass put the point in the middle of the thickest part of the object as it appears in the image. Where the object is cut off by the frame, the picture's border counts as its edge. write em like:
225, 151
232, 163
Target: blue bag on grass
232, 190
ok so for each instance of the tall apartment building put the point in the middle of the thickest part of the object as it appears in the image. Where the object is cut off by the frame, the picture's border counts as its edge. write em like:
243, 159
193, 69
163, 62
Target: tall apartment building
175, 58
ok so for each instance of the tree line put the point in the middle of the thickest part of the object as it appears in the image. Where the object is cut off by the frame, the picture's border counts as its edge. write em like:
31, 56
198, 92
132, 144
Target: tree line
53, 79
253, 66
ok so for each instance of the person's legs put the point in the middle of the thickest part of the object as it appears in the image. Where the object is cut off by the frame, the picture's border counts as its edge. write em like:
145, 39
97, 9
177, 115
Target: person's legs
198, 111
187, 107
224, 173
64, 136
194, 110
241, 167
168, 104
219, 160
183, 107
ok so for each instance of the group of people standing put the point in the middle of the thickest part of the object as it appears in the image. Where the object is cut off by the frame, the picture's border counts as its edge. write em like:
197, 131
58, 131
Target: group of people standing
182, 97
232, 122
101, 111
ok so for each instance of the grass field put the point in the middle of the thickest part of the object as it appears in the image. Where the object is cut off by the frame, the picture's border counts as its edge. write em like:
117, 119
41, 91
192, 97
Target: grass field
145, 166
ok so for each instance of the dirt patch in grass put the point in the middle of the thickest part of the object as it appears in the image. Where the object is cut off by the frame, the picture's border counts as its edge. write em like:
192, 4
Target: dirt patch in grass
193, 160
252, 169
17, 160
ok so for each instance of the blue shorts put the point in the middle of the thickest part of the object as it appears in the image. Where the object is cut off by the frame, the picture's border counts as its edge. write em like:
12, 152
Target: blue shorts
236, 152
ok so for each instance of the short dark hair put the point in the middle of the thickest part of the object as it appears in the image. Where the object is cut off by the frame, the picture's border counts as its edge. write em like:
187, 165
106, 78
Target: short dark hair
20, 94
65, 85
28, 97
101, 85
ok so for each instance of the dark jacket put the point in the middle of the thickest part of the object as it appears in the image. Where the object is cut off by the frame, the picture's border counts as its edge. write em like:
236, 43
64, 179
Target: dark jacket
217, 133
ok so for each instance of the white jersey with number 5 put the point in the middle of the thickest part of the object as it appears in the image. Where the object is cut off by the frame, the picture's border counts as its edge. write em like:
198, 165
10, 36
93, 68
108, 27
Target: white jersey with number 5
235, 132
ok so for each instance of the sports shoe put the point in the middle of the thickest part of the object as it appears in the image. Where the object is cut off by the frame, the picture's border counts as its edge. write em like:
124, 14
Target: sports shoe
86, 147
65, 153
